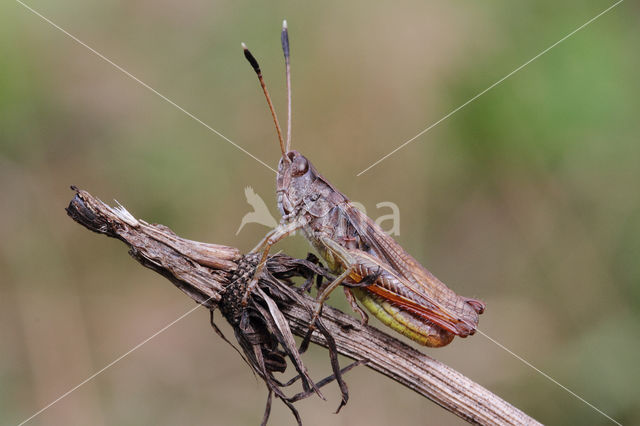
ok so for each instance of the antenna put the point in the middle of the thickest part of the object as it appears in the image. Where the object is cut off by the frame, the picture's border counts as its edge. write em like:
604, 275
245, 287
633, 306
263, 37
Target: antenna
256, 68
284, 37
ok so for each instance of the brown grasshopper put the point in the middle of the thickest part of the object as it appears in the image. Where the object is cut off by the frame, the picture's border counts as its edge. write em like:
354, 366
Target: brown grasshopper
390, 283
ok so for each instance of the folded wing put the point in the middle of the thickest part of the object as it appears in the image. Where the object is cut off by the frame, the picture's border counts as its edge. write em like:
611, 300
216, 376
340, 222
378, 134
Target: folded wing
410, 285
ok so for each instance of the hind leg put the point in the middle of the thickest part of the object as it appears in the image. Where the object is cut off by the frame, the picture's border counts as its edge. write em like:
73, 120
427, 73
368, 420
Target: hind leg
364, 318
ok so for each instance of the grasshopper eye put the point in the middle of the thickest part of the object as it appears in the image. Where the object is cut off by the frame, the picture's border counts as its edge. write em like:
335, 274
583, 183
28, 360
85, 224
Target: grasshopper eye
300, 166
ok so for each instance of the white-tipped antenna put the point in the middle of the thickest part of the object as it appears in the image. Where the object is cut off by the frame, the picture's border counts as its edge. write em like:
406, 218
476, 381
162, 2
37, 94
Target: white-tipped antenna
256, 68
284, 37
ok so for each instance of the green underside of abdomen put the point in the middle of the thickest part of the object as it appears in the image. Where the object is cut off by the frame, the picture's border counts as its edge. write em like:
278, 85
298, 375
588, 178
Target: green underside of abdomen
384, 311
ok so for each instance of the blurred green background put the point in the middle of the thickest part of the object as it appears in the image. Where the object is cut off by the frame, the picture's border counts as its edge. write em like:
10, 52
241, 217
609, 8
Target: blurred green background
527, 198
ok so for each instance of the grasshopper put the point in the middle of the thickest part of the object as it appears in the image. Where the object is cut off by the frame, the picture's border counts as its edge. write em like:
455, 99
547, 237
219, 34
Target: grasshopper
369, 264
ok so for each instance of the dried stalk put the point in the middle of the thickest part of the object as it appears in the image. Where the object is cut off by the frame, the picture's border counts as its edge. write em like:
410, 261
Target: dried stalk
203, 271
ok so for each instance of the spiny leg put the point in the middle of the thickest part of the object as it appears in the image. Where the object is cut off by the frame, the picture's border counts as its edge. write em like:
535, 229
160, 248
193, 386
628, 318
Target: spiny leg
364, 318
277, 234
326, 292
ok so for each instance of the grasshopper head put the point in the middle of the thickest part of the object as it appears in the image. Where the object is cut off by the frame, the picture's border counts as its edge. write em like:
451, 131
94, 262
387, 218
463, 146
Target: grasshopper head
295, 175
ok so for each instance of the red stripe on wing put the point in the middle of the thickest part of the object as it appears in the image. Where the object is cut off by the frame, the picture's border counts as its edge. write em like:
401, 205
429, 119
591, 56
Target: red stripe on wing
434, 315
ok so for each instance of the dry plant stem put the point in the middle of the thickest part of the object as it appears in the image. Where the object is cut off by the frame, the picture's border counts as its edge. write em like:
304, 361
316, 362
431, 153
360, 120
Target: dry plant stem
203, 271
